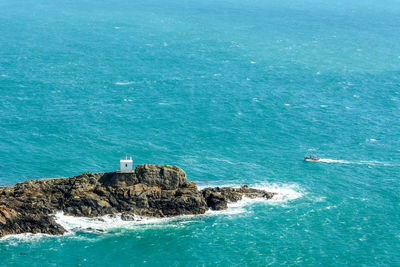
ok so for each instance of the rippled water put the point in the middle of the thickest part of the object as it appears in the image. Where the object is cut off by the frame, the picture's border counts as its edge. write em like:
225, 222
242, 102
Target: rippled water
234, 92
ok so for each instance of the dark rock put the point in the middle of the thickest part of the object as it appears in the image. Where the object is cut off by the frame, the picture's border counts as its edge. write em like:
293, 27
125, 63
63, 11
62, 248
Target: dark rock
165, 177
151, 190
217, 198
217, 202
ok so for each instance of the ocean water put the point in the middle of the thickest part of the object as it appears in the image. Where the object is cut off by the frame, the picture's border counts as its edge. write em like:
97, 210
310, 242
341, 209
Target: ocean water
234, 92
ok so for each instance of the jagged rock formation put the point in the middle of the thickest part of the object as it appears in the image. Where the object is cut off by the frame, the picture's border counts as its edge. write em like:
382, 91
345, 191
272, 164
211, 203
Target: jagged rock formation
151, 190
217, 198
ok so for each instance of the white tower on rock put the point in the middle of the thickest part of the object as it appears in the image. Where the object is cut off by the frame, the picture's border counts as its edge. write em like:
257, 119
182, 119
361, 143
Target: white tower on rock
126, 164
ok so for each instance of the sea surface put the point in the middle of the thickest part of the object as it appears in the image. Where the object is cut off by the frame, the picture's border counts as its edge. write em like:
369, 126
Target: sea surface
232, 91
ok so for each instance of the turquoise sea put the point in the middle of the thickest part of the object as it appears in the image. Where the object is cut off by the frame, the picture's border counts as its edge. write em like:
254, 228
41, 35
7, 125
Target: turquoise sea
234, 92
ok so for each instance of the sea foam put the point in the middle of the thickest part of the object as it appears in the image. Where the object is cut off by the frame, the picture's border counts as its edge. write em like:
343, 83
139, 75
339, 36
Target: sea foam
109, 223
285, 193
16, 239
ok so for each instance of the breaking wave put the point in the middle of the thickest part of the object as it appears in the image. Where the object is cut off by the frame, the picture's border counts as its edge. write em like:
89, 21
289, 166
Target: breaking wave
104, 223
110, 223
285, 193
15, 239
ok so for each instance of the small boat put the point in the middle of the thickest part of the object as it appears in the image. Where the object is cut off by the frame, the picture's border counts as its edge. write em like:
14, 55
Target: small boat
314, 158
310, 157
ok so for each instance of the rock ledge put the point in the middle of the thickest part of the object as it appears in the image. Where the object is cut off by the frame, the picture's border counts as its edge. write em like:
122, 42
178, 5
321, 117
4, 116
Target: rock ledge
151, 190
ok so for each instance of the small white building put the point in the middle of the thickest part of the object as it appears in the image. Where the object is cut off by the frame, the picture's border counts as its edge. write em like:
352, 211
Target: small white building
126, 165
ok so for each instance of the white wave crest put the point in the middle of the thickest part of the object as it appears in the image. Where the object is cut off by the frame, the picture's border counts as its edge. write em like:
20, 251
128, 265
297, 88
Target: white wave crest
104, 223
110, 223
284, 192
124, 83
16, 239
107, 223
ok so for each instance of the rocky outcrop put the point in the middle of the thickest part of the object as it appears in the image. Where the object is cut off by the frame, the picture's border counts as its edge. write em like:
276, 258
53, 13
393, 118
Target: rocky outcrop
151, 190
217, 198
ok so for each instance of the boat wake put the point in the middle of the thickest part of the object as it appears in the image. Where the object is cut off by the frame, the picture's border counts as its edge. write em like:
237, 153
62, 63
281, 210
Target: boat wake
361, 162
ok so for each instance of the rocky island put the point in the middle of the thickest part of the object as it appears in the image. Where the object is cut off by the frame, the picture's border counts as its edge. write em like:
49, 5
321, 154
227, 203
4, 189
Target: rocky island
149, 190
